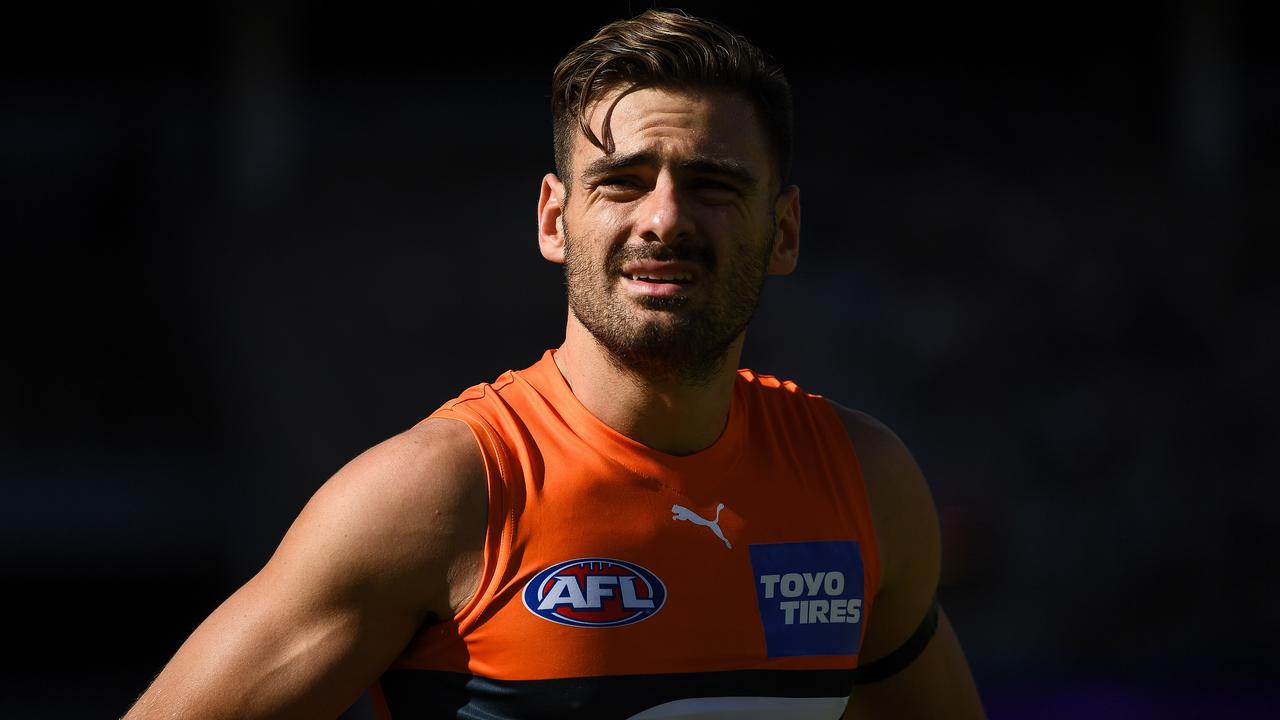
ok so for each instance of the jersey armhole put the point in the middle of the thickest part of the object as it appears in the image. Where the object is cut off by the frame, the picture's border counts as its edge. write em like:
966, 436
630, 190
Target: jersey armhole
847, 456
497, 477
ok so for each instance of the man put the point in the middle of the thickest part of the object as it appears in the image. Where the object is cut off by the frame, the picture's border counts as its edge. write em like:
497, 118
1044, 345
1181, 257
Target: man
631, 527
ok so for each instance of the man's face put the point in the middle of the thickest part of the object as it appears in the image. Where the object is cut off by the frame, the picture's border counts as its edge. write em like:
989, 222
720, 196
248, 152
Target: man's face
668, 239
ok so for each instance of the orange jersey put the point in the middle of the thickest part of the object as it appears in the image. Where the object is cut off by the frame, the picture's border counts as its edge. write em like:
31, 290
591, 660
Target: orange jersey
623, 582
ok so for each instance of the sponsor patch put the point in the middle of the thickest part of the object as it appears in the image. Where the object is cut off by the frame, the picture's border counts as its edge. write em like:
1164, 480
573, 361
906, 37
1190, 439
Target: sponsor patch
594, 592
810, 597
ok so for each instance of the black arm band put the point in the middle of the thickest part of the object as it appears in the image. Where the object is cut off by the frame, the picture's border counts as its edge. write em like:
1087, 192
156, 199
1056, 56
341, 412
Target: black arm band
897, 661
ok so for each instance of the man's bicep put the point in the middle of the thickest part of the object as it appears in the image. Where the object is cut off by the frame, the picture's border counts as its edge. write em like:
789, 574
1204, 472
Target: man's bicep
349, 584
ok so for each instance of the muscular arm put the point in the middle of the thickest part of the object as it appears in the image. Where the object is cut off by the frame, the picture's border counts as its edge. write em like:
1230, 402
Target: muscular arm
938, 683
395, 534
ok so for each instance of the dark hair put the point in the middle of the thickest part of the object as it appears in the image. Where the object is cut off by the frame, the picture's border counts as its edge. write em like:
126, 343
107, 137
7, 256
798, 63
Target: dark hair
662, 48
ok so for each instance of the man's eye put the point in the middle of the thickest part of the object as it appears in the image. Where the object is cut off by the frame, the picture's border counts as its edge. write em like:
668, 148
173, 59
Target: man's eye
715, 190
620, 182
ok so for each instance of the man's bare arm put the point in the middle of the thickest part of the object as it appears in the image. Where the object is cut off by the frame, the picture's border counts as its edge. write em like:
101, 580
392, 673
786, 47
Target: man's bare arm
938, 683
394, 535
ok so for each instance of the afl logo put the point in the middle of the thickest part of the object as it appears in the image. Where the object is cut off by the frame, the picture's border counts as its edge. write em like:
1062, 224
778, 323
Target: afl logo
594, 592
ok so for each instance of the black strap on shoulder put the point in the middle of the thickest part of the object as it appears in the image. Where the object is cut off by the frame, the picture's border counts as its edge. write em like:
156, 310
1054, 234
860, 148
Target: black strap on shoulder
898, 660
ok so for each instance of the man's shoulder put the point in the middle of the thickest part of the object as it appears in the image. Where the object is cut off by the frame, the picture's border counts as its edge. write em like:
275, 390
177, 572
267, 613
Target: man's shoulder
481, 390
872, 439
887, 465
438, 455
901, 503
408, 510
508, 393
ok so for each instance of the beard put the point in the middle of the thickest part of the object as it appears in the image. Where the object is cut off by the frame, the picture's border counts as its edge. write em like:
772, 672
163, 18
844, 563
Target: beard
681, 338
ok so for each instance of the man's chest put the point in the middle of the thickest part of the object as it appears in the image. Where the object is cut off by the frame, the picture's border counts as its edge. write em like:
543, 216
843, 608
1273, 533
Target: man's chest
613, 573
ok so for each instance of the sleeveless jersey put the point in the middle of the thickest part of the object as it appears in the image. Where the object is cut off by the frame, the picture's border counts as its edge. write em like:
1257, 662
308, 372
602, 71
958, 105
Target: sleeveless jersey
623, 582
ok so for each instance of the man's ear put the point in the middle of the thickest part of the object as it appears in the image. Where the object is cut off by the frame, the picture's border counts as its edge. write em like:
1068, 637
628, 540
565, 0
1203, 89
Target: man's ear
786, 232
550, 237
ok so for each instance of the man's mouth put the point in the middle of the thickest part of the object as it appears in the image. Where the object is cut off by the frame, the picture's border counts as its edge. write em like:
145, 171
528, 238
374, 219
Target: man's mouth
680, 278
660, 278
661, 271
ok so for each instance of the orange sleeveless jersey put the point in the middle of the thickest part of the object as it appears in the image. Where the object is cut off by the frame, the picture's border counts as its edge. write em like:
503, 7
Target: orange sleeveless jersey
622, 582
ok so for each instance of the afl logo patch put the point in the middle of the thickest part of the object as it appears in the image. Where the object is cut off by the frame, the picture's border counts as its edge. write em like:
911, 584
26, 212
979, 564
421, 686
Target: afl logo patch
594, 592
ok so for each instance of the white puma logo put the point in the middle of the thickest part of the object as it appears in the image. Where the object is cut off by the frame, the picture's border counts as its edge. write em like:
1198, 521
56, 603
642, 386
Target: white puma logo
684, 513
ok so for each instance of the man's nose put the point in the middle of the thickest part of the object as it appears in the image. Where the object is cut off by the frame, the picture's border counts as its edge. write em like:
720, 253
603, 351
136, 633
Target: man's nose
664, 214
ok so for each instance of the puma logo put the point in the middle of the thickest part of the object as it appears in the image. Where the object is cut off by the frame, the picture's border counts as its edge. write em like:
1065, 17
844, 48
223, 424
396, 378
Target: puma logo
684, 513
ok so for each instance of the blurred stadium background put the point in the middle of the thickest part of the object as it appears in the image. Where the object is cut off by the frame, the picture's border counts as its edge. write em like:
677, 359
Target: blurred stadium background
244, 241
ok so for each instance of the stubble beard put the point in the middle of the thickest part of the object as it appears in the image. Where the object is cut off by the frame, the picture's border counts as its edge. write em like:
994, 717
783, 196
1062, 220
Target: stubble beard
661, 340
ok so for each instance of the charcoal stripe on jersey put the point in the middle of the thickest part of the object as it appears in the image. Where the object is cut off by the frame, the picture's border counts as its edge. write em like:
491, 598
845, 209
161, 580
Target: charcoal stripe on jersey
429, 694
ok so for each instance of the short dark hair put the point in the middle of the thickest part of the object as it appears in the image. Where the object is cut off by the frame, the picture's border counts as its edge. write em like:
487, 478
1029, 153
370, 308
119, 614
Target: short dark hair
670, 49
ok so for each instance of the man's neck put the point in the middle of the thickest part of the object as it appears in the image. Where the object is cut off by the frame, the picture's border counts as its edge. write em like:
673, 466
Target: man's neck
665, 414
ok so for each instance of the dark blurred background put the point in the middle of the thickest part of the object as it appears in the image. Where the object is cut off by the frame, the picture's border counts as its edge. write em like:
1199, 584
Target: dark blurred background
245, 241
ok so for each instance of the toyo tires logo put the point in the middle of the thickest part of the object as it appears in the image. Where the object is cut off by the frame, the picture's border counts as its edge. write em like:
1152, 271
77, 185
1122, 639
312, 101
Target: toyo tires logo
594, 592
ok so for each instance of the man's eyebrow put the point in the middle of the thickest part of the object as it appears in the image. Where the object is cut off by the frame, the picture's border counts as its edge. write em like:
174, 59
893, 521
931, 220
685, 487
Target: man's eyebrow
704, 164
720, 166
611, 163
